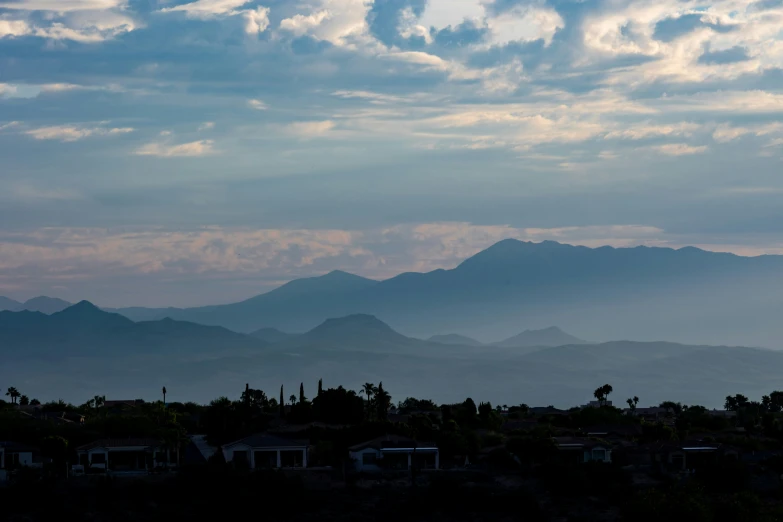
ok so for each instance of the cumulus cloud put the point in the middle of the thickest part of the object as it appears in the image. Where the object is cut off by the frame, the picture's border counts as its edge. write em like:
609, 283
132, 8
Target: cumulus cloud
192, 149
256, 20
340, 22
74, 132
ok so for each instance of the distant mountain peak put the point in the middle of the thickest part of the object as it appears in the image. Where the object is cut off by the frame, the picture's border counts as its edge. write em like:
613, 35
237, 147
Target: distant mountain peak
550, 336
44, 304
363, 327
82, 308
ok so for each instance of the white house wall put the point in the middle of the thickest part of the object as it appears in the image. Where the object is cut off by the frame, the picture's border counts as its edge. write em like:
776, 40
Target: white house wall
357, 456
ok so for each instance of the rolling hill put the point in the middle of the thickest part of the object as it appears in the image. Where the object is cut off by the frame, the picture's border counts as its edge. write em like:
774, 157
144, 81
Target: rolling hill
83, 351
686, 295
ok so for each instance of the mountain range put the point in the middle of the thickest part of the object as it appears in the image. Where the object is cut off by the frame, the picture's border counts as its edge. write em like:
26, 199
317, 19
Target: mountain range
686, 295
43, 304
83, 351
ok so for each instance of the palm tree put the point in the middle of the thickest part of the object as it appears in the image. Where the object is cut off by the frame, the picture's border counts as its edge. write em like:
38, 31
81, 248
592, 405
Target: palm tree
13, 393
292, 398
369, 389
24, 400
164, 396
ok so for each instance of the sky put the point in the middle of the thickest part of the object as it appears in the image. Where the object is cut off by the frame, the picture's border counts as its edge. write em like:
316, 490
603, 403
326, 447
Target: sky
174, 153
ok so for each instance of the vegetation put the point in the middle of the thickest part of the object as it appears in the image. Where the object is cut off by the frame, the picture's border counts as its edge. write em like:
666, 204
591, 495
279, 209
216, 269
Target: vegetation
510, 463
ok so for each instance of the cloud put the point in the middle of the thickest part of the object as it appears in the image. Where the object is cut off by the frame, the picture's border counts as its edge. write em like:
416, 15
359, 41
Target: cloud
256, 21
63, 5
257, 105
207, 125
205, 9
300, 24
340, 22
69, 133
192, 149
678, 149
309, 129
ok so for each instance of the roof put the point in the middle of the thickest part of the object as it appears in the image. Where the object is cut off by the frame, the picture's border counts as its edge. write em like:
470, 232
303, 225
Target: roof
392, 442
265, 440
121, 443
618, 429
578, 442
15, 447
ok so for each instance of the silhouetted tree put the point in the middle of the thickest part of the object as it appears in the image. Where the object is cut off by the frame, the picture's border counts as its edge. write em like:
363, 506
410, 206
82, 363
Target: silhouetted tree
282, 402
24, 400
35, 402
302, 398
164, 395
602, 394
320, 386
292, 398
382, 402
13, 393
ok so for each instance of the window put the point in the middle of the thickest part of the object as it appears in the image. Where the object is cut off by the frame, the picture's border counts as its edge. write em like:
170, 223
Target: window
369, 459
599, 455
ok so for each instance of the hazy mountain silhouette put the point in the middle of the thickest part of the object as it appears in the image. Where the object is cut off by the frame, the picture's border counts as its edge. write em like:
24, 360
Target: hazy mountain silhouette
688, 295
85, 330
82, 351
272, 335
43, 304
552, 336
454, 339
8, 304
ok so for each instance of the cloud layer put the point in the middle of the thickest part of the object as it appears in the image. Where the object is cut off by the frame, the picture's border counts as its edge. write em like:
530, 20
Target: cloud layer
363, 116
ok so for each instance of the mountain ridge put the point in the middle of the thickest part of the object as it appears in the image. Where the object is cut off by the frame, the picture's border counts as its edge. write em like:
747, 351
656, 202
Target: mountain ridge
691, 295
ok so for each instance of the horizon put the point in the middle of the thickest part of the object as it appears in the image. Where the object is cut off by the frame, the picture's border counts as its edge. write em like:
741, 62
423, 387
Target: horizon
453, 265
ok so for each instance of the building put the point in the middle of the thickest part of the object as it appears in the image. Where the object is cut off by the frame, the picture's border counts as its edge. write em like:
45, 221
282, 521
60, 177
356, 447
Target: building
126, 455
262, 451
14, 455
579, 449
392, 452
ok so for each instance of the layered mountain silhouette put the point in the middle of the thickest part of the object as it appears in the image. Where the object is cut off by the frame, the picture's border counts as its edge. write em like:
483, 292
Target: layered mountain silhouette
83, 351
8, 304
460, 340
688, 295
43, 304
84, 330
552, 336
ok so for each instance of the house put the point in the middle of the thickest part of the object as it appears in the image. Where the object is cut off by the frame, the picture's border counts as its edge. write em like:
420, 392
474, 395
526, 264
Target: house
14, 455
690, 455
581, 449
126, 455
267, 451
392, 452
